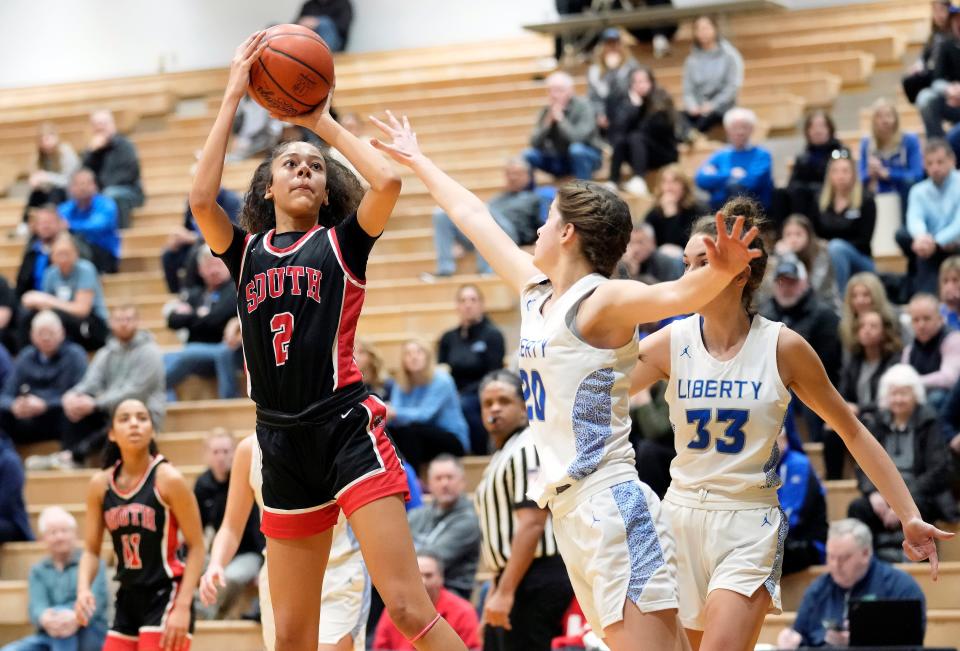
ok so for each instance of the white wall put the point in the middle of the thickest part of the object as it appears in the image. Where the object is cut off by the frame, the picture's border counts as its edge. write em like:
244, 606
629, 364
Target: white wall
51, 41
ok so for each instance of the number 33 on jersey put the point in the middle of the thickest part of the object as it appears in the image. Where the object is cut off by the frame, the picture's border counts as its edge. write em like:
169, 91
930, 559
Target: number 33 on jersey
726, 415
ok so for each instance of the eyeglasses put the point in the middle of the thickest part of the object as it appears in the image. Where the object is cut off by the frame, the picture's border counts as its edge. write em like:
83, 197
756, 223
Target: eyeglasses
840, 154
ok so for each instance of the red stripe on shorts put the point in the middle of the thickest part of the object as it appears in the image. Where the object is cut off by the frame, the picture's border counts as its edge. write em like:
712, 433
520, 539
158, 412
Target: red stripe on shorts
299, 525
391, 480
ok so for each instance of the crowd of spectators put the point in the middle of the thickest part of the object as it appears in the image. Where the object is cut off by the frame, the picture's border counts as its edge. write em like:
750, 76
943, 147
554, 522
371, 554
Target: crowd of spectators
889, 342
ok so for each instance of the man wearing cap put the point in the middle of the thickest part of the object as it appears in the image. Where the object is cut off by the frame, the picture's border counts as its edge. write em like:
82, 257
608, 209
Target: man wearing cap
796, 304
941, 101
798, 307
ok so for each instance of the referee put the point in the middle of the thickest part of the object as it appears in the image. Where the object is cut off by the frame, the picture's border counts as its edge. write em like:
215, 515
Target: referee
531, 591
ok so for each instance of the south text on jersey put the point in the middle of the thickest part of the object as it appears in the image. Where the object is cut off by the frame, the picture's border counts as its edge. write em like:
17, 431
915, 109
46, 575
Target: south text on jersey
277, 281
131, 515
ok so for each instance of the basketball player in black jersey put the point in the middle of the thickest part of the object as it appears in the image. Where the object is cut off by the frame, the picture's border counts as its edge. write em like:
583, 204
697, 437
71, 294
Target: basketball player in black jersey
300, 264
144, 503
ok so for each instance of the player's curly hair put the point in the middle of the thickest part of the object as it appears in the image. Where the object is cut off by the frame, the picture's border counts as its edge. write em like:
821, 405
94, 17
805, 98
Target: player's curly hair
601, 220
344, 193
752, 212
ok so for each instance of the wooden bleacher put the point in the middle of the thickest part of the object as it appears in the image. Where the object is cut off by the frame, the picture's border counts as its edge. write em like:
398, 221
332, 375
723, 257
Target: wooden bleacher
473, 106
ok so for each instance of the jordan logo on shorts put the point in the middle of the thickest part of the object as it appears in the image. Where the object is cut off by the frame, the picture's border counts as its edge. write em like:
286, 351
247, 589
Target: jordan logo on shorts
685, 351
766, 522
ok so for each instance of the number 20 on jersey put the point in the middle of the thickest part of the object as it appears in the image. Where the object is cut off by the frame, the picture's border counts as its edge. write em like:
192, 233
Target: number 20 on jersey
534, 394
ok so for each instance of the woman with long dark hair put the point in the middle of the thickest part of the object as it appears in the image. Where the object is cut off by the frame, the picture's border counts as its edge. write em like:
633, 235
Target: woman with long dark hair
146, 504
299, 259
642, 127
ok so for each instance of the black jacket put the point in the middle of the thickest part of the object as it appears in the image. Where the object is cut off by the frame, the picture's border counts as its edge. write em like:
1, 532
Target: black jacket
212, 500
221, 306
947, 65
115, 164
471, 353
930, 486
658, 125
853, 225
339, 11
675, 230
851, 371
810, 166
815, 322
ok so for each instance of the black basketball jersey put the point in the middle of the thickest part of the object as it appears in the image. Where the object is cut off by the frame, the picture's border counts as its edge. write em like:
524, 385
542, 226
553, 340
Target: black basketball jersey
144, 531
298, 307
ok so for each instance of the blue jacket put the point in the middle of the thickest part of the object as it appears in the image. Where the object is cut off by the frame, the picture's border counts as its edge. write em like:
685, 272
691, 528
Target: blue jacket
714, 175
97, 224
227, 199
436, 403
935, 210
53, 588
824, 602
14, 524
48, 379
905, 164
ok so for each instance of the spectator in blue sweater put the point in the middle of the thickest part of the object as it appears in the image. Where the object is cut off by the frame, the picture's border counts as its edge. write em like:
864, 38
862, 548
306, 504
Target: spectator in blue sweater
853, 573
890, 160
423, 414
92, 217
932, 230
53, 589
739, 168
14, 523
802, 498
30, 407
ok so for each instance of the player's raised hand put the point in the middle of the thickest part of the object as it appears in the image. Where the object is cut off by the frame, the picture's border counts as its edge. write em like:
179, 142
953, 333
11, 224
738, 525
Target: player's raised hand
730, 252
243, 59
312, 120
920, 543
210, 583
403, 146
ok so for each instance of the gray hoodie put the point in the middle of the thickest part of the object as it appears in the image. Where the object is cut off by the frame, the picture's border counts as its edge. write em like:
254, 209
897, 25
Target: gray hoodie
579, 124
134, 370
713, 76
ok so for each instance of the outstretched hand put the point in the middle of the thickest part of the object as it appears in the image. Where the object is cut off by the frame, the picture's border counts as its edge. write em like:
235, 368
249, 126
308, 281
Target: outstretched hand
243, 59
920, 543
730, 252
403, 146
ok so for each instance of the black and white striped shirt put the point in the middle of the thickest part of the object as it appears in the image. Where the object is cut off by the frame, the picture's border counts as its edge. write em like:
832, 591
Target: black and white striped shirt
501, 491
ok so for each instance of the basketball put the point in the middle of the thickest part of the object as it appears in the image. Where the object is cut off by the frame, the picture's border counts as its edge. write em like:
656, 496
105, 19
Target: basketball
294, 73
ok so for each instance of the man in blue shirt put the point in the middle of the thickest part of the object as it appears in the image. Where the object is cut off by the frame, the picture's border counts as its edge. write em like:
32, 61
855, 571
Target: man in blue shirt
853, 573
53, 590
92, 217
739, 168
932, 230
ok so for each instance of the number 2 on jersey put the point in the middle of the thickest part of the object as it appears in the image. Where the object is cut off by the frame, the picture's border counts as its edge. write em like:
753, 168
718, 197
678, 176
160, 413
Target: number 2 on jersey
733, 438
534, 394
281, 325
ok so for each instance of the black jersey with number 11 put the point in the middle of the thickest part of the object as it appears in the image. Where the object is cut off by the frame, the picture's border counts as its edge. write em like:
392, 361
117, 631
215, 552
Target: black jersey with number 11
299, 302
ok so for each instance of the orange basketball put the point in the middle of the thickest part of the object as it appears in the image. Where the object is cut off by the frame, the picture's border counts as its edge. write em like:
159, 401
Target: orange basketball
294, 73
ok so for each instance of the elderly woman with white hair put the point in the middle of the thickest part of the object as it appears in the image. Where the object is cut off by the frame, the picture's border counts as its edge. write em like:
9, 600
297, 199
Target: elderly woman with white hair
910, 432
740, 168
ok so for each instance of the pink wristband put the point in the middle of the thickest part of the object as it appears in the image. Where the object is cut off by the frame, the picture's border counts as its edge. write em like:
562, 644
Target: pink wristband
426, 629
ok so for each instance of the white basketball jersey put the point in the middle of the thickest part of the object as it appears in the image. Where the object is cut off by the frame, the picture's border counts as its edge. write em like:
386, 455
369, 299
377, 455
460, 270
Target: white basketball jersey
577, 395
344, 542
726, 416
